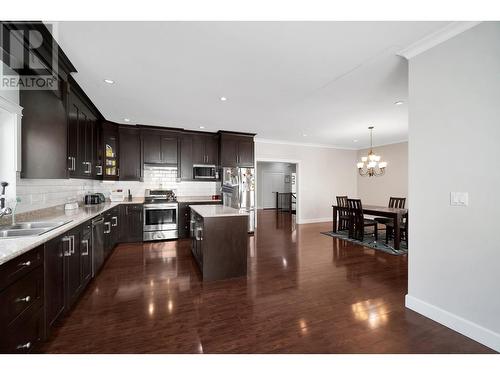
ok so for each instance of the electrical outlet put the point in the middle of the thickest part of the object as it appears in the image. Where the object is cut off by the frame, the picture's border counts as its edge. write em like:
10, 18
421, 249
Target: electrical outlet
459, 198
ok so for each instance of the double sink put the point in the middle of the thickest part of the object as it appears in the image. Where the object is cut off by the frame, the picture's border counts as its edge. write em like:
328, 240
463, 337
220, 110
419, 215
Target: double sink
29, 228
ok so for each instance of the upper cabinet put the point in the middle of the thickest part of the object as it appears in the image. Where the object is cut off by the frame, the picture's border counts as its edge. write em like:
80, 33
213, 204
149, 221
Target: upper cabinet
160, 147
205, 149
111, 168
236, 150
130, 153
82, 135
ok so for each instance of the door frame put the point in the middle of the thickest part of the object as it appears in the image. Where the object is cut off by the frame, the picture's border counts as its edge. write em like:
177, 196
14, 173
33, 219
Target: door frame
297, 163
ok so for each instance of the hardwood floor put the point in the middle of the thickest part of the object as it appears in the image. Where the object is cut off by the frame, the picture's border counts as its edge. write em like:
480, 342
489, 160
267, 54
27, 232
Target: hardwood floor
304, 293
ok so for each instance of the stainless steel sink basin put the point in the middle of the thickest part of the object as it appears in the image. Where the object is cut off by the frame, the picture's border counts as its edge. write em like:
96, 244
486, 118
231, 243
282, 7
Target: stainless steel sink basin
30, 228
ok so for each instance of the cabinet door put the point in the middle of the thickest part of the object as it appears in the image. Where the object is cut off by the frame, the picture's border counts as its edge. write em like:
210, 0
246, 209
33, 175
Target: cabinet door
115, 226
107, 234
86, 255
199, 156
184, 220
111, 151
72, 139
89, 145
134, 223
81, 166
169, 150
54, 259
73, 268
151, 148
130, 155
212, 150
245, 152
228, 151
186, 157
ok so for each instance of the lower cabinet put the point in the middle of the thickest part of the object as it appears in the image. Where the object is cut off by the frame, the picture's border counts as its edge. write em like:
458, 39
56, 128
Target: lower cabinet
131, 223
21, 301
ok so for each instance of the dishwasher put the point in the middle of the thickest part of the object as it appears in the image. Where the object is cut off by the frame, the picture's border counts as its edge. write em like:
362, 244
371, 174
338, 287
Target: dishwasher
97, 244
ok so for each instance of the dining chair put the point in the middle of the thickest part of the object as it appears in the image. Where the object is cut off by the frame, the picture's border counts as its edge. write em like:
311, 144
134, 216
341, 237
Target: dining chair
389, 229
357, 222
394, 202
343, 212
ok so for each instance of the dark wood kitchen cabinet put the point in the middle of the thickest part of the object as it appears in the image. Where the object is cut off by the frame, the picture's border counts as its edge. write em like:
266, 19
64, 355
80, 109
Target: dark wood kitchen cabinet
160, 147
130, 154
236, 150
111, 229
82, 139
131, 223
110, 145
54, 261
185, 168
205, 149
22, 299
44, 133
73, 266
185, 215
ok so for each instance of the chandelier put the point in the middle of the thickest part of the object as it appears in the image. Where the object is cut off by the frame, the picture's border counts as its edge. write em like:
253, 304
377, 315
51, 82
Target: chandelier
371, 165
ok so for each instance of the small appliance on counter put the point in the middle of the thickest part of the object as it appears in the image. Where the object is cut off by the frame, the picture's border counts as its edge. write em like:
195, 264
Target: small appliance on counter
71, 204
117, 195
96, 198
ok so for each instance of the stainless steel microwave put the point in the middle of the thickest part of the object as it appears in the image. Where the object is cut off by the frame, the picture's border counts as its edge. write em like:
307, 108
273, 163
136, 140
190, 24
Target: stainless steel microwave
205, 172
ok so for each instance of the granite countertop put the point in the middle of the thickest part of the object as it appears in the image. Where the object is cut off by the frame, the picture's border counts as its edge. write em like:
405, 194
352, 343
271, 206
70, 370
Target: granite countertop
13, 247
194, 199
217, 211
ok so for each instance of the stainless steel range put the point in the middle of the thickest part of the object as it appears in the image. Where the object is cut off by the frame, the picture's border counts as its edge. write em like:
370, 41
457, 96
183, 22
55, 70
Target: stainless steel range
161, 215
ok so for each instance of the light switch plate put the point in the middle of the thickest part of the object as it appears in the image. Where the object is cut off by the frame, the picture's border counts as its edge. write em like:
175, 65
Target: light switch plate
459, 198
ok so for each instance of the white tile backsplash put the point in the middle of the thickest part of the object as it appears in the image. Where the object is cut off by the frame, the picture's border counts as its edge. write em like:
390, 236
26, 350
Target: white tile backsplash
36, 194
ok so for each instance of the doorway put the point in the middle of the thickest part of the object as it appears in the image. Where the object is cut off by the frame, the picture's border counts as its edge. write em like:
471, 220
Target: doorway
277, 186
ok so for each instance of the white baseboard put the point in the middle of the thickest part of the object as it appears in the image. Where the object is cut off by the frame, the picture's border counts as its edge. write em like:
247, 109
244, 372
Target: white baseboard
316, 220
465, 327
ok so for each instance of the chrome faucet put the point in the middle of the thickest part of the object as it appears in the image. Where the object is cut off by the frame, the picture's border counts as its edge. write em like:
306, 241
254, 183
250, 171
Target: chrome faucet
4, 210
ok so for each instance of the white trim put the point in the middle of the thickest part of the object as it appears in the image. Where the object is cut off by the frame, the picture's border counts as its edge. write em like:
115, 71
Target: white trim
316, 220
470, 329
279, 142
437, 37
10, 106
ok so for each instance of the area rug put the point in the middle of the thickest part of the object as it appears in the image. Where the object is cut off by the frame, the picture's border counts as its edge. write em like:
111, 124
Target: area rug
369, 242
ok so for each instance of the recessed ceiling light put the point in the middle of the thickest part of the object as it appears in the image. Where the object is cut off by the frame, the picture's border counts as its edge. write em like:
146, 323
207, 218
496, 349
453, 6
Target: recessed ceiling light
304, 135
202, 127
399, 102
354, 140
109, 81
223, 98
126, 119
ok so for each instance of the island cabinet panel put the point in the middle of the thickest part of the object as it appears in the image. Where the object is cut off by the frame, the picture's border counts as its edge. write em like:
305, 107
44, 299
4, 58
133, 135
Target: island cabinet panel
185, 217
22, 301
44, 134
130, 154
220, 245
236, 150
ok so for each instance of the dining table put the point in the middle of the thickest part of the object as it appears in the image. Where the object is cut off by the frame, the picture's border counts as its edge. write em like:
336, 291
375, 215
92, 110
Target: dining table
392, 213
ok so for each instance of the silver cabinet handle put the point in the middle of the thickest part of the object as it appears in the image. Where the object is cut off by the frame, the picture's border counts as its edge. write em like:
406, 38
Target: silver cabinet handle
88, 168
23, 299
25, 264
67, 239
24, 346
72, 244
106, 231
70, 159
86, 242
74, 163
199, 234
118, 172
98, 169
115, 221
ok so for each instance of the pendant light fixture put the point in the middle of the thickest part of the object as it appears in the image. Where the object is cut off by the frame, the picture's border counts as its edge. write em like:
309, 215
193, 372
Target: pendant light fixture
371, 165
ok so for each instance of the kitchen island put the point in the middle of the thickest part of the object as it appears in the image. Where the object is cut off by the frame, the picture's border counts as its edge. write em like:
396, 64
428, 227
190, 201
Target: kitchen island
219, 241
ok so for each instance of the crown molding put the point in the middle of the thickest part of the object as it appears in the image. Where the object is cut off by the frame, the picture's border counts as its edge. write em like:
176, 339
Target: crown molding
290, 143
437, 37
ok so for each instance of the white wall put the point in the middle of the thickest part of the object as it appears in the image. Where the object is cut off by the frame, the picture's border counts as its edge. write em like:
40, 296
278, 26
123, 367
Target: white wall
394, 183
322, 174
286, 168
454, 122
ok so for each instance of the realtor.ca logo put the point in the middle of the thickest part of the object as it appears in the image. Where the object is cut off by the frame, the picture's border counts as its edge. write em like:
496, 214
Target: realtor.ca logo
29, 56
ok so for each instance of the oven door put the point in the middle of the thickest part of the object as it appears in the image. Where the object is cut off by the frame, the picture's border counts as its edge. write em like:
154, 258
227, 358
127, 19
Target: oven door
160, 216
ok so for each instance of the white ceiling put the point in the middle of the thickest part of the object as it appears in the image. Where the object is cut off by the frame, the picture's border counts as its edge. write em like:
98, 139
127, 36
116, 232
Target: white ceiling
329, 80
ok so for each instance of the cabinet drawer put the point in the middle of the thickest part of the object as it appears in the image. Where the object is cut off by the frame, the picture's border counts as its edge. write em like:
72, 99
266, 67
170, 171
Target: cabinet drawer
20, 296
19, 266
24, 335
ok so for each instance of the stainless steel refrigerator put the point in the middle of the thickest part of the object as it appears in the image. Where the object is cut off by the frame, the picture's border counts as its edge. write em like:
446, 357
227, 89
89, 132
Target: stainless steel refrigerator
238, 191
